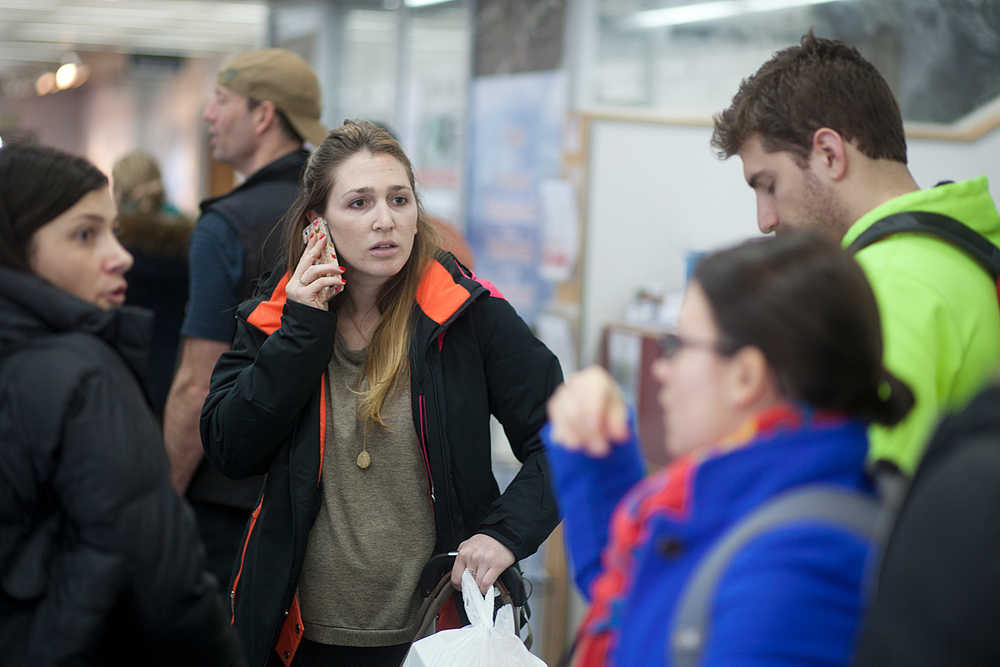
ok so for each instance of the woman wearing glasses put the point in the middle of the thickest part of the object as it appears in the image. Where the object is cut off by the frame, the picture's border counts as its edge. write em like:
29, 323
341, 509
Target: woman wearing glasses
769, 383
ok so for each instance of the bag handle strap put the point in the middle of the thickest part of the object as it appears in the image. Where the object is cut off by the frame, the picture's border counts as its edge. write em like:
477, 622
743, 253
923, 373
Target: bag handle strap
977, 246
511, 579
435, 586
843, 508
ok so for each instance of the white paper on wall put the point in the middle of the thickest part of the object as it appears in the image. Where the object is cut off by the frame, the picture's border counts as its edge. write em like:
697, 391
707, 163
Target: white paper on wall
560, 229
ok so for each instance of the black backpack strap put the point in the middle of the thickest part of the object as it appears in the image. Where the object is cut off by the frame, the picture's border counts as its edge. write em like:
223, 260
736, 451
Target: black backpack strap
954, 232
850, 510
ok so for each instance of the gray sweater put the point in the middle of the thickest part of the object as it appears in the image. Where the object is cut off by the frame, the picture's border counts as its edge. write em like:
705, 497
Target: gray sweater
375, 527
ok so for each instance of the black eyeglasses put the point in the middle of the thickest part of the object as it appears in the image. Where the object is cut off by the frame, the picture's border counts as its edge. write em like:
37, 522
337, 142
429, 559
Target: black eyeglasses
672, 343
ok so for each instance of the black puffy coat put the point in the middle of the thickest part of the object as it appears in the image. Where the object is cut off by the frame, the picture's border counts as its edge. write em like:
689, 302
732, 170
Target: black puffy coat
158, 280
938, 595
99, 558
470, 356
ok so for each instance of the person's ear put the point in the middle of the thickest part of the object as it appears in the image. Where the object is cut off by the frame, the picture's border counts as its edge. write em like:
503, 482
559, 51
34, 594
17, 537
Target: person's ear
264, 116
750, 380
829, 154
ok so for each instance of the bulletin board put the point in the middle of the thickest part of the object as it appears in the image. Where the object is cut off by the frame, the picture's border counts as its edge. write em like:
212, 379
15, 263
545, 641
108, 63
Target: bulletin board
653, 193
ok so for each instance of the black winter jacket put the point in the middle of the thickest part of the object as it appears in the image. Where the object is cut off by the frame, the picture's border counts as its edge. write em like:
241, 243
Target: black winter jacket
470, 356
100, 562
938, 594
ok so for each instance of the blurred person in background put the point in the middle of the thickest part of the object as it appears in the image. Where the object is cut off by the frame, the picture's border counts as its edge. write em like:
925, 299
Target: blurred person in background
453, 241
156, 235
821, 139
265, 108
364, 388
101, 562
769, 383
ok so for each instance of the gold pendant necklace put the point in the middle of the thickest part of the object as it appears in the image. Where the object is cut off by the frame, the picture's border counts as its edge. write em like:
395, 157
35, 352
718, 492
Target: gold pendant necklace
364, 458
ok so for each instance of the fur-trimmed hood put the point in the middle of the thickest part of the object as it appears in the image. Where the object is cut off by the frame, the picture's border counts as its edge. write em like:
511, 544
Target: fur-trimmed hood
160, 234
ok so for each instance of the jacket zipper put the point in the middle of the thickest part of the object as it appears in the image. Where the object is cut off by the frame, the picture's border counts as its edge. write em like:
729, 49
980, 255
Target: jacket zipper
243, 555
423, 446
452, 513
322, 427
253, 522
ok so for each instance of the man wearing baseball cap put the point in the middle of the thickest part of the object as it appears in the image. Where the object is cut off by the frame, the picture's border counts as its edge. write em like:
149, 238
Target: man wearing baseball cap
261, 120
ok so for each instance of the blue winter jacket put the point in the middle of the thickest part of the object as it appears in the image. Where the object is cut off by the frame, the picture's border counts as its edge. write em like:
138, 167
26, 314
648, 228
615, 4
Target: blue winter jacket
792, 596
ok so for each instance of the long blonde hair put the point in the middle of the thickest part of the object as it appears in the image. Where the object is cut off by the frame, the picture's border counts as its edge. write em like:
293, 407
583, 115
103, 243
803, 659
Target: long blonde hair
136, 183
388, 351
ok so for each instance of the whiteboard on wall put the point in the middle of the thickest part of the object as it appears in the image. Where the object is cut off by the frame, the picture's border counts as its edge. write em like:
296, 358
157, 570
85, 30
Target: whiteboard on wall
656, 191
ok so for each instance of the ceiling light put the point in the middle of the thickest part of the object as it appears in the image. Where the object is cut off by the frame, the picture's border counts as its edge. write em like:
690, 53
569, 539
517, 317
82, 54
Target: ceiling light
82, 74
710, 11
424, 3
66, 75
46, 84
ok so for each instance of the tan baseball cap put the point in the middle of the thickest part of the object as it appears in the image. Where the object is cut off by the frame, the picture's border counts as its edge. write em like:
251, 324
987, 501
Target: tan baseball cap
283, 78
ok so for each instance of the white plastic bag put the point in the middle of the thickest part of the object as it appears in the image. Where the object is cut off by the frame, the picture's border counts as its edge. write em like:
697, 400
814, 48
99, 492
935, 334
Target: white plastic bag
483, 643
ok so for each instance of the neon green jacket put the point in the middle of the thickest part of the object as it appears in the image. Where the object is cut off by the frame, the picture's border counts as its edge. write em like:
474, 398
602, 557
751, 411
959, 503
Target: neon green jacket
940, 318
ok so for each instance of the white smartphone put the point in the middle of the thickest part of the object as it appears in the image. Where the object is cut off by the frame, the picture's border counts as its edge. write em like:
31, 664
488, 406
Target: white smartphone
319, 226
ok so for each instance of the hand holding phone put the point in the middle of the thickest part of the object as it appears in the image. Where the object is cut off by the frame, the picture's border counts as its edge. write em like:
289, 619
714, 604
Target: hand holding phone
320, 226
308, 283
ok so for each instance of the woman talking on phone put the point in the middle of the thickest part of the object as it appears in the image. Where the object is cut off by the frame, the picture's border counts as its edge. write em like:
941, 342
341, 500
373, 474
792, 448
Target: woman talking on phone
363, 385
769, 383
100, 562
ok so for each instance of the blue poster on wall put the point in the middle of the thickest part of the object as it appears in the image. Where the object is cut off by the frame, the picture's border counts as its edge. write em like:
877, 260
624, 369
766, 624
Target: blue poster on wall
516, 146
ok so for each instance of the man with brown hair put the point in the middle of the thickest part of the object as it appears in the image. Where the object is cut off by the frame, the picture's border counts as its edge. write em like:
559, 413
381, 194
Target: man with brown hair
821, 139
265, 107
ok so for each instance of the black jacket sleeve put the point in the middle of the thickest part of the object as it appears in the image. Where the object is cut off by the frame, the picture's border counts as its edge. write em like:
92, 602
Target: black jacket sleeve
130, 550
522, 373
259, 389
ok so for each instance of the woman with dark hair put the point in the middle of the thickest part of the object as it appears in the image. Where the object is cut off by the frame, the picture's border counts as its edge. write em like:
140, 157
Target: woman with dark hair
101, 563
363, 385
769, 382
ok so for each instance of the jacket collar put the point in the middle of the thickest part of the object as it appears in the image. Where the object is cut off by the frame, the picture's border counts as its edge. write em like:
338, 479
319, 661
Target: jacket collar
786, 446
969, 202
285, 168
774, 420
31, 308
790, 445
445, 290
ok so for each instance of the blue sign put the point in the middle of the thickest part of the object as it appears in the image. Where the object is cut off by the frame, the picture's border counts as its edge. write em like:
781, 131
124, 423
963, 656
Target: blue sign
516, 145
